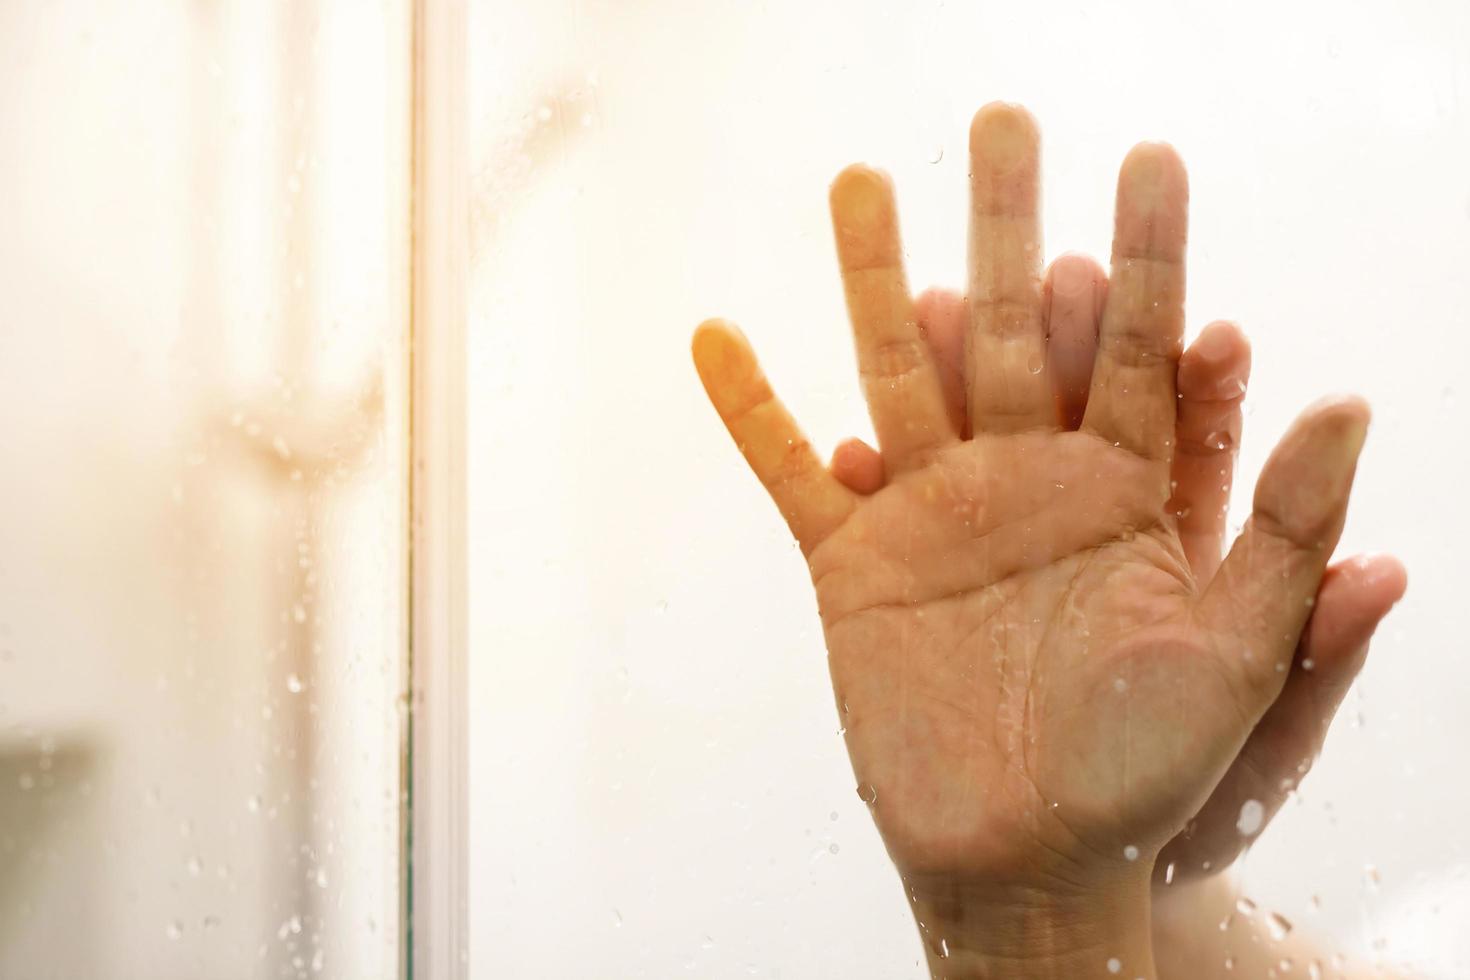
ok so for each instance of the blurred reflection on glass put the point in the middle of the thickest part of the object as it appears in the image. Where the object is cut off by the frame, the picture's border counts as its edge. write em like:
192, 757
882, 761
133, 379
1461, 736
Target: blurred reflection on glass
201, 596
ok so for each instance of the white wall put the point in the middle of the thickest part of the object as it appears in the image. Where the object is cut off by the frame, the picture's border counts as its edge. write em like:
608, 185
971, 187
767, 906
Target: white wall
656, 774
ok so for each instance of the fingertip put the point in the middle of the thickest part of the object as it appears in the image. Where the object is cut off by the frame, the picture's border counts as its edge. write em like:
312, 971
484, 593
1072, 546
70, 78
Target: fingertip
714, 342
1074, 274
1221, 341
857, 466
1354, 597
1153, 162
864, 218
712, 326
859, 191
1343, 418
1343, 403
1216, 367
1152, 216
1391, 574
726, 364
1003, 135
936, 304
1382, 576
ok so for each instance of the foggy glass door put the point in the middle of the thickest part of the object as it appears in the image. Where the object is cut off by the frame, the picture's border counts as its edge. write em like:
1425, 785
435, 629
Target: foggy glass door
204, 254
658, 783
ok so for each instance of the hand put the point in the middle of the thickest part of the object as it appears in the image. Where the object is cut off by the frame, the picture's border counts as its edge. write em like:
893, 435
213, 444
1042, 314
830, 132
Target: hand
1354, 597
1352, 600
1038, 692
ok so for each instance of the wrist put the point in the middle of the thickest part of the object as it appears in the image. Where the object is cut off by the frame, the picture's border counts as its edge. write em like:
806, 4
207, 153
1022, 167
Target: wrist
1034, 932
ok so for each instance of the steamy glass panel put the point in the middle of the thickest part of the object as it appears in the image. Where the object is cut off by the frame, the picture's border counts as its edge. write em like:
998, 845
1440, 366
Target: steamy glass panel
201, 596
659, 784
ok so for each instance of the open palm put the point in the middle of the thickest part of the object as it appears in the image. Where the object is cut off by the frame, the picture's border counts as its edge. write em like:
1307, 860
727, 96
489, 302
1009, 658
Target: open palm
1034, 685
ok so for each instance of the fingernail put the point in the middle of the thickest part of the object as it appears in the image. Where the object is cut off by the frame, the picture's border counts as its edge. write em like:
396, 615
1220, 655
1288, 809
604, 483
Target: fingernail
1309, 492
1347, 439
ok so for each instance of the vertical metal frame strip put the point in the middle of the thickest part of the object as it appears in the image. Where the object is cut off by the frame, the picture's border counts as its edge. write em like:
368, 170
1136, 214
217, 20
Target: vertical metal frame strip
435, 892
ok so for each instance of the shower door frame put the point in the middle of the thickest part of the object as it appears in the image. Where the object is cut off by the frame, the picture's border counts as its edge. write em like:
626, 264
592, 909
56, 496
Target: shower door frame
434, 919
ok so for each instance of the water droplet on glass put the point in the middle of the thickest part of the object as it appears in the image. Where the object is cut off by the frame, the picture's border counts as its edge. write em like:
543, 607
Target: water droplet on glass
832, 815
1120, 685
944, 948
293, 684
834, 848
1278, 925
867, 792
291, 927
1314, 970
253, 804
298, 613
1035, 363
1114, 964
1169, 873
1252, 815
936, 153
1245, 906
617, 919
1130, 853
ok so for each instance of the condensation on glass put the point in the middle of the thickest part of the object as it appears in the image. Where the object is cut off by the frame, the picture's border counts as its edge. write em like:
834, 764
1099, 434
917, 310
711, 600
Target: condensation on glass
658, 786
202, 519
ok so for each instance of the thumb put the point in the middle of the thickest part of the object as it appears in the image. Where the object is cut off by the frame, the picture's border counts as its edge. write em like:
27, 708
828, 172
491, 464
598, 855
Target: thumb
1262, 595
1355, 596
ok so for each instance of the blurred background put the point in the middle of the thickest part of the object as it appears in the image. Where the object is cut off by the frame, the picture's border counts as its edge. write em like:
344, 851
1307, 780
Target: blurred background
658, 786
203, 265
